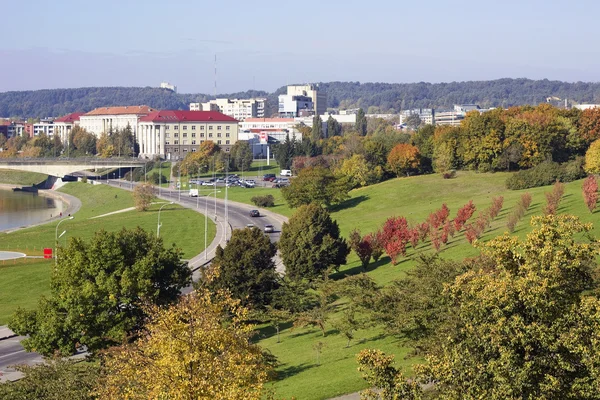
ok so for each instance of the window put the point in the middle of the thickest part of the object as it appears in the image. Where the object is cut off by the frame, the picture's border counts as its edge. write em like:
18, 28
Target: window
227, 134
210, 134
167, 135
202, 134
210, 127
218, 142
166, 127
176, 149
177, 142
193, 150
176, 127
201, 127
185, 149
219, 134
176, 134
168, 142
227, 127
227, 142
193, 142
185, 134
193, 127
185, 127
193, 134
219, 127
227, 150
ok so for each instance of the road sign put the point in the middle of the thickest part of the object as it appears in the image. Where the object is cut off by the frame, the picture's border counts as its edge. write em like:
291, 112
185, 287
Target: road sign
47, 253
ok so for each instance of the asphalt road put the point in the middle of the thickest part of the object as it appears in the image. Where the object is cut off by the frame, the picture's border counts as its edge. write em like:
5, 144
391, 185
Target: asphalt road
233, 216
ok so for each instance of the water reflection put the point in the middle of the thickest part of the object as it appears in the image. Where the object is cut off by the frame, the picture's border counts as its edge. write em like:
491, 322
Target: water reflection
21, 209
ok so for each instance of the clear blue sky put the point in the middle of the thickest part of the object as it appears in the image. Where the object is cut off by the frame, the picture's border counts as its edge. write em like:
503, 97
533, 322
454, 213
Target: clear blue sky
266, 44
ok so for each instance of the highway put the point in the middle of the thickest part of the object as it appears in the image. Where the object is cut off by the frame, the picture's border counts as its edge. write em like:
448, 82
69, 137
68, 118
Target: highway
237, 216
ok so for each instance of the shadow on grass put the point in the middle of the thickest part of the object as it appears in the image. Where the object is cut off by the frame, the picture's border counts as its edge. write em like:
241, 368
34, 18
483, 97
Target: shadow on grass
350, 203
359, 269
269, 330
291, 370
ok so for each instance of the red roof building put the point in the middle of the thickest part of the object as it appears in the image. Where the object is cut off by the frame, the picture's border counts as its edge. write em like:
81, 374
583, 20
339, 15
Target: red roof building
70, 118
187, 116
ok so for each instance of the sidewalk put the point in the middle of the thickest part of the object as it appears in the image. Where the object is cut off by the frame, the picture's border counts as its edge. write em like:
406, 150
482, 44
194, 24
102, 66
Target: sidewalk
6, 333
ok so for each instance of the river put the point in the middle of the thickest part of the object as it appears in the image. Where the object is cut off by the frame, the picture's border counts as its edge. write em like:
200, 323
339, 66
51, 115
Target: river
19, 209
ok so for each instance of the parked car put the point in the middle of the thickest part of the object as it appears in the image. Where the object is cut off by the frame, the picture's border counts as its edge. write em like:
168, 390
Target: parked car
255, 213
286, 172
269, 177
208, 183
269, 228
250, 182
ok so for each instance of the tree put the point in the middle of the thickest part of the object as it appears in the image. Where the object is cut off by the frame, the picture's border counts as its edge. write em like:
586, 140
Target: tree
195, 163
316, 185
526, 327
423, 140
387, 382
55, 379
590, 192
199, 348
143, 194
317, 129
334, 128
413, 122
361, 123
358, 172
245, 268
592, 158
96, 291
361, 246
82, 142
403, 158
241, 155
310, 243
285, 152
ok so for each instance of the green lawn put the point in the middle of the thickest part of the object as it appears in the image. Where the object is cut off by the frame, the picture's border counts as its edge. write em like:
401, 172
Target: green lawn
13, 177
414, 198
180, 226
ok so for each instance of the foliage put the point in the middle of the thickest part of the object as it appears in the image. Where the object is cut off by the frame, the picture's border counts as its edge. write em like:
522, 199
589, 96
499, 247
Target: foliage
545, 174
318, 315
263, 201
157, 178
525, 327
310, 243
285, 152
245, 268
592, 158
361, 246
143, 194
394, 237
553, 198
317, 129
198, 348
56, 379
241, 156
334, 128
96, 291
358, 171
590, 192
403, 158
361, 122
519, 211
316, 185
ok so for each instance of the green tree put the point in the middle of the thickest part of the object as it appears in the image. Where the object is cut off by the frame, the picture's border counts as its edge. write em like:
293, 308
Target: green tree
316, 185
317, 129
285, 152
241, 156
413, 122
310, 243
56, 379
334, 128
526, 328
245, 268
361, 122
97, 289
358, 171
82, 142
423, 139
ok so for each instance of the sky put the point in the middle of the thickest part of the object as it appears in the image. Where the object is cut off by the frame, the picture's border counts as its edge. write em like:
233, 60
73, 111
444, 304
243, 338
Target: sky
267, 44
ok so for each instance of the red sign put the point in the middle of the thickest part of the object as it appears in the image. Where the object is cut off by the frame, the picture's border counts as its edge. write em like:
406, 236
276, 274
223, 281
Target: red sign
264, 137
47, 253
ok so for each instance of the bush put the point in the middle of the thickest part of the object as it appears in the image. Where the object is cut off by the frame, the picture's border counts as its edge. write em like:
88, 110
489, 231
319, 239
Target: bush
264, 201
157, 178
573, 170
547, 173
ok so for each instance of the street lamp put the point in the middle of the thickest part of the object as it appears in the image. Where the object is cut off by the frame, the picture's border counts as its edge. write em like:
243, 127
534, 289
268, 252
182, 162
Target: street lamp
206, 220
56, 237
158, 225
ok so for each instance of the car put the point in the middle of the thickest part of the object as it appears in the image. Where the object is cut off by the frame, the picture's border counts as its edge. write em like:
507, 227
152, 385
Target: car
255, 213
269, 228
208, 183
250, 226
269, 177
286, 172
250, 182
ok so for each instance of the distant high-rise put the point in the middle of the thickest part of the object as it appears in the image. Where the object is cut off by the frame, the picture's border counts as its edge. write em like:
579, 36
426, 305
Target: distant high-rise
319, 98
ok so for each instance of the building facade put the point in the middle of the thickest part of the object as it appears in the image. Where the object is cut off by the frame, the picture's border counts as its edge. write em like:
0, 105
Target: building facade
172, 134
318, 97
239, 109
44, 127
291, 106
104, 119
64, 125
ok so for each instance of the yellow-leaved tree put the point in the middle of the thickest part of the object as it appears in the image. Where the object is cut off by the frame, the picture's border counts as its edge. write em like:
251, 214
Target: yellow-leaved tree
196, 349
592, 158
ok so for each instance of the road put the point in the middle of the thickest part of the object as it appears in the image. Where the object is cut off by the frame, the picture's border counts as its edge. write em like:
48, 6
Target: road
237, 216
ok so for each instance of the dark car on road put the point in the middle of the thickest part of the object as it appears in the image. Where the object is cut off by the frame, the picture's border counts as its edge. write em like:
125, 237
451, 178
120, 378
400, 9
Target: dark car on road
269, 177
254, 213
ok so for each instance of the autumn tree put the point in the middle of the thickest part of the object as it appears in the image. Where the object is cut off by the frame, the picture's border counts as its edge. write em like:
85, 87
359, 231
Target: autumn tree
82, 142
361, 245
359, 172
403, 158
245, 268
199, 348
96, 291
195, 163
143, 194
592, 158
316, 185
589, 124
386, 381
590, 192
310, 243
526, 327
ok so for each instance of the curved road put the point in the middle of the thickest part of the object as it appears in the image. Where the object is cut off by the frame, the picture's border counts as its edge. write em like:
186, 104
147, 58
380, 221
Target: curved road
233, 216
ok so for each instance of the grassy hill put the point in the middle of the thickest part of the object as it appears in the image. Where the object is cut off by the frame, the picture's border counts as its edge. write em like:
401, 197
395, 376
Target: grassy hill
11, 177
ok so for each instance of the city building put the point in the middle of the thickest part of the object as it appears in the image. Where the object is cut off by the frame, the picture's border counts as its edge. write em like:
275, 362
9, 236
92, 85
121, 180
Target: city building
291, 106
104, 119
271, 129
426, 115
172, 134
44, 127
4, 128
318, 97
168, 86
63, 125
15, 129
239, 109
586, 106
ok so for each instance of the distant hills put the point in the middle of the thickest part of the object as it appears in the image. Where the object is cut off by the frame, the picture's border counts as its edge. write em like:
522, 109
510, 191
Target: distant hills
375, 97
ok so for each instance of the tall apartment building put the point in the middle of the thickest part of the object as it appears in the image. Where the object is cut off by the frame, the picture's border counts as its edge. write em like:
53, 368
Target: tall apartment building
44, 127
291, 106
239, 109
319, 98
173, 134
104, 119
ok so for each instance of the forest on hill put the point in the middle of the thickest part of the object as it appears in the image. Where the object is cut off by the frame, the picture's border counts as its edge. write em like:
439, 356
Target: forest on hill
374, 97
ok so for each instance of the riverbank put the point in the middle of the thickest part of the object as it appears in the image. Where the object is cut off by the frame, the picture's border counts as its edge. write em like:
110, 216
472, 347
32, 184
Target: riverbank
72, 205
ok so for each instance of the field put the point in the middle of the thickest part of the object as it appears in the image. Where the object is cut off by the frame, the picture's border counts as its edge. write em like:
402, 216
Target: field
12, 177
23, 281
367, 209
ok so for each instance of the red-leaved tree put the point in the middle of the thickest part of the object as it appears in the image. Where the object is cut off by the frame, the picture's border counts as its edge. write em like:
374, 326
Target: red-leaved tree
590, 192
463, 215
361, 246
394, 237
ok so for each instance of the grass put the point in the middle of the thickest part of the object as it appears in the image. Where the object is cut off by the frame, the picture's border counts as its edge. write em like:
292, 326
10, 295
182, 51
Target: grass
180, 226
367, 209
14, 177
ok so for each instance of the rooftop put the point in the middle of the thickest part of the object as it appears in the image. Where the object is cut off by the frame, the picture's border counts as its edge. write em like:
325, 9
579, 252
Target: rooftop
269, 120
121, 110
70, 117
190, 116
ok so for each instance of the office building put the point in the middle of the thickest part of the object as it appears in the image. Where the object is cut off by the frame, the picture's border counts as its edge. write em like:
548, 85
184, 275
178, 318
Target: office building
239, 109
291, 106
106, 119
64, 125
318, 97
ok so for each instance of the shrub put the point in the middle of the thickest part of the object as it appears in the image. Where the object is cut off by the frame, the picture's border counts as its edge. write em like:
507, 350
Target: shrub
573, 170
264, 201
553, 198
546, 173
463, 215
520, 210
590, 192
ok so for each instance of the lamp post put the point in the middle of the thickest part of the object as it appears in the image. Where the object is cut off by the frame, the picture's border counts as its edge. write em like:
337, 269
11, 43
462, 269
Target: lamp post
206, 220
56, 238
158, 224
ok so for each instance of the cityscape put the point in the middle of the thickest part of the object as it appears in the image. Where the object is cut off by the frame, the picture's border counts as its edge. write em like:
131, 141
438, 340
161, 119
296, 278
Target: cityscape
318, 201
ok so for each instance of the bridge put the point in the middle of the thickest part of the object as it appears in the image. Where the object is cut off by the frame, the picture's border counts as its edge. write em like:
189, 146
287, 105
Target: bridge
60, 167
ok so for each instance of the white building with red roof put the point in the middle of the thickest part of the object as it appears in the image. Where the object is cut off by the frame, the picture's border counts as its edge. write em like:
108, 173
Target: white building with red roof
64, 125
173, 133
104, 119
